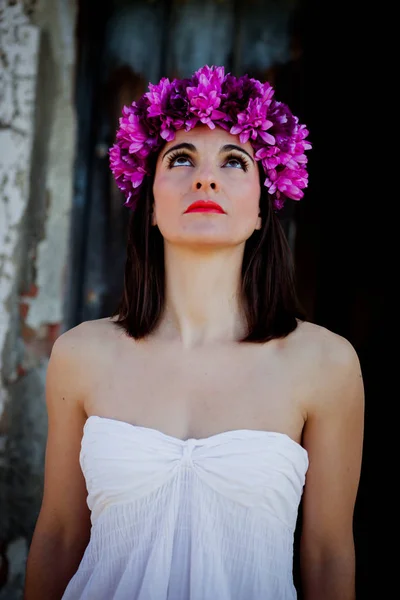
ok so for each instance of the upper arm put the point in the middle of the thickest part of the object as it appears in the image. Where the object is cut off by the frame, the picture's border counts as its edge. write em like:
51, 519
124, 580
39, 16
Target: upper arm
64, 509
333, 437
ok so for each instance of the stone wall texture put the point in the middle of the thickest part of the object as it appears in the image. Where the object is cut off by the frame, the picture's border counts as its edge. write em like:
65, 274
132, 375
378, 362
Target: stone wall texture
37, 149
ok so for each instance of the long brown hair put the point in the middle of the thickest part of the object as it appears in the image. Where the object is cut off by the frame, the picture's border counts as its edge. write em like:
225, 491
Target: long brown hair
268, 286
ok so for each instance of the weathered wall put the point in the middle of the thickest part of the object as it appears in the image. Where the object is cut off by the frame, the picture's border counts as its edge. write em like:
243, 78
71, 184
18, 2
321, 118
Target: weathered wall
37, 147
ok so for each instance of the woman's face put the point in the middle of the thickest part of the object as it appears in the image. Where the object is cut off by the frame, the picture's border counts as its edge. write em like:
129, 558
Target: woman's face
210, 165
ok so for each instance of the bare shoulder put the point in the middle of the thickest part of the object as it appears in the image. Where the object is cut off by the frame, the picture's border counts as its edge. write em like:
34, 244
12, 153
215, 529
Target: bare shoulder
80, 352
331, 348
331, 362
86, 336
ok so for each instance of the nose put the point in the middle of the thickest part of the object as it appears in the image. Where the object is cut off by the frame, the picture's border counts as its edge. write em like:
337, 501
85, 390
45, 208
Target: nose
205, 180
201, 185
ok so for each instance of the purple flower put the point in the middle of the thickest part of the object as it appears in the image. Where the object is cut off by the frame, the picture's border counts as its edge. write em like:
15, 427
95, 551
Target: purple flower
284, 126
149, 124
177, 103
289, 182
253, 123
131, 134
269, 156
205, 97
236, 93
129, 172
156, 96
159, 98
279, 201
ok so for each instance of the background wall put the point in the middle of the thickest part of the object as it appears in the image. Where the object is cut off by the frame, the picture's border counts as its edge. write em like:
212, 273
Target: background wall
37, 145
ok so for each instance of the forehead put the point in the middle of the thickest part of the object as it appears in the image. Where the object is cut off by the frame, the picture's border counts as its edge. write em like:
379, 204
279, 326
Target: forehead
211, 139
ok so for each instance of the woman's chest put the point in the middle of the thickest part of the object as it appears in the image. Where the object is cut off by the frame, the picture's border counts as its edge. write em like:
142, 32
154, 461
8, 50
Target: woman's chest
200, 393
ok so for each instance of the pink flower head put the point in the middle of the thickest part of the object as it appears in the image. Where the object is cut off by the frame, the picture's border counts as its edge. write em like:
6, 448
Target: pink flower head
129, 172
241, 105
156, 96
288, 182
253, 123
205, 97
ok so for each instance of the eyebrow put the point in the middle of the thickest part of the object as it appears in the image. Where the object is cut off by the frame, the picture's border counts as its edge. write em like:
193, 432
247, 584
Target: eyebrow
192, 148
184, 145
229, 147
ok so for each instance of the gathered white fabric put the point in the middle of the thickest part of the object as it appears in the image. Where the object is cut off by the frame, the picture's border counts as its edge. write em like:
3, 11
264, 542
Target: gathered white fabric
201, 519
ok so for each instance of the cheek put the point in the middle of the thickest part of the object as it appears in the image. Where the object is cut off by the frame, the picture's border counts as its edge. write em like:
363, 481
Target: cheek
164, 195
248, 199
169, 186
161, 189
166, 201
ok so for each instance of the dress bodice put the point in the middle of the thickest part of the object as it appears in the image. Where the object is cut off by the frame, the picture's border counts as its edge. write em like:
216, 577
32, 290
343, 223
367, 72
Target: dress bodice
188, 520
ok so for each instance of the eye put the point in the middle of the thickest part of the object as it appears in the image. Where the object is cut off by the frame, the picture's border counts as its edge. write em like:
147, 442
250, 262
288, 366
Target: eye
236, 162
179, 160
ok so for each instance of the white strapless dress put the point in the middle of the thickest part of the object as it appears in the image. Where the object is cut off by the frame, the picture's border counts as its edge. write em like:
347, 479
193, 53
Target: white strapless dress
201, 519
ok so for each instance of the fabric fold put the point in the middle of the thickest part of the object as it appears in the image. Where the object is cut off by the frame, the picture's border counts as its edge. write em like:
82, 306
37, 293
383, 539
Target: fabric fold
188, 520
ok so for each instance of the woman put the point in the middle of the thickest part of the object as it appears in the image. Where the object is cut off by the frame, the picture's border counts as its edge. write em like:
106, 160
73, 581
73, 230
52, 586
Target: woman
206, 402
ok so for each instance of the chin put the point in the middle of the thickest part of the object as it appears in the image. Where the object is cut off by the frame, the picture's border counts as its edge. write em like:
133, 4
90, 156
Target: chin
207, 233
206, 240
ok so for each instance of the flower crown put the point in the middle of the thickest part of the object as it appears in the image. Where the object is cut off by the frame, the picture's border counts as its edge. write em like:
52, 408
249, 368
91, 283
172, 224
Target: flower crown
241, 105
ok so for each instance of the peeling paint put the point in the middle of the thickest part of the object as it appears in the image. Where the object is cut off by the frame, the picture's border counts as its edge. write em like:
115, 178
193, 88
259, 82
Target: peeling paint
19, 51
37, 147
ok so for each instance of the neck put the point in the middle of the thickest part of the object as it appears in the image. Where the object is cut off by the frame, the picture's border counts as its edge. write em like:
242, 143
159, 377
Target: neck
203, 303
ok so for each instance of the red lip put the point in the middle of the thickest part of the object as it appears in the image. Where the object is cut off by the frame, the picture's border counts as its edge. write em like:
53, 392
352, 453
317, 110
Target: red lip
205, 206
